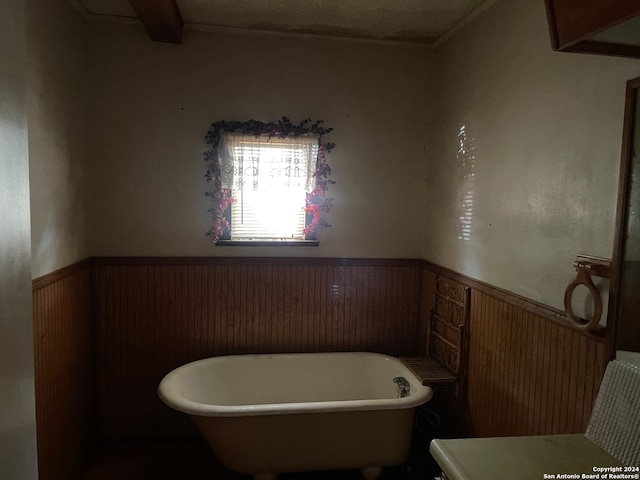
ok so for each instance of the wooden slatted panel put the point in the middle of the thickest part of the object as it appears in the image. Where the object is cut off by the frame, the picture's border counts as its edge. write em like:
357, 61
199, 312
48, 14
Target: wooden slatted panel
448, 323
429, 371
63, 374
153, 318
528, 375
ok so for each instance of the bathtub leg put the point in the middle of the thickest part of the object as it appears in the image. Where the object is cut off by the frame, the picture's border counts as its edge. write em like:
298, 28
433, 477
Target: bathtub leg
371, 473
265, 476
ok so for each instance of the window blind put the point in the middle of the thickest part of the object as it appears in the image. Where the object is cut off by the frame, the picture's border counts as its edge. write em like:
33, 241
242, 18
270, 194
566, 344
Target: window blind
269, 180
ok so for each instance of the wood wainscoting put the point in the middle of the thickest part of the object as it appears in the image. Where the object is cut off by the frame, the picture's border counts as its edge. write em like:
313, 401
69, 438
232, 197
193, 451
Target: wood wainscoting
153, 315
529, 372
64, 388
107, 330
529, 375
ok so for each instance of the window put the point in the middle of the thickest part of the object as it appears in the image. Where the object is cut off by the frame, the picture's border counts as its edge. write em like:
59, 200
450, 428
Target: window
269, 179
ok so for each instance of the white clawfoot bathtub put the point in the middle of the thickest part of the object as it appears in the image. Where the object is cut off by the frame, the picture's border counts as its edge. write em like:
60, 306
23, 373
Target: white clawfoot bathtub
268, 414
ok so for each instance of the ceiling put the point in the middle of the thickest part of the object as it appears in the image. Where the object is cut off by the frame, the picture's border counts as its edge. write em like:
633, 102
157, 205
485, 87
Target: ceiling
414, 21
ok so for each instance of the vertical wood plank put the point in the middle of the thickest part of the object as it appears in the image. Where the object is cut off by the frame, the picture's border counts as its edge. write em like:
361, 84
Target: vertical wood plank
152, 318
528, 375
63, 374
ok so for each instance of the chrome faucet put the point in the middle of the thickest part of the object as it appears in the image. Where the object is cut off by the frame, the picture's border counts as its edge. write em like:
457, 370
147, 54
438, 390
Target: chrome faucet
402, 386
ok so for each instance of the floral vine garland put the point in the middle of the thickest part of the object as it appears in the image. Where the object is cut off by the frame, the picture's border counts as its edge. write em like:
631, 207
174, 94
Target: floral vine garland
317, 200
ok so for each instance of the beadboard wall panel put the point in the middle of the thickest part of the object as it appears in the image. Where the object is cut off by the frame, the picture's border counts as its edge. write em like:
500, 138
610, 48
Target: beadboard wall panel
529, 375
151, 318
63, 359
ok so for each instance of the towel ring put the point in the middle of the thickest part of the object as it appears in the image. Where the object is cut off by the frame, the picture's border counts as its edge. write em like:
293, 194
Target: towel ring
583, 278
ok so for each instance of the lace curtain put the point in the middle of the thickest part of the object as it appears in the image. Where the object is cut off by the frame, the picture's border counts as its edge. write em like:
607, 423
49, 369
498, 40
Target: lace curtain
249, 162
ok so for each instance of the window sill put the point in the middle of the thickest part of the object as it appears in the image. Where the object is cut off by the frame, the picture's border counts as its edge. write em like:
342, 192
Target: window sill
267, 243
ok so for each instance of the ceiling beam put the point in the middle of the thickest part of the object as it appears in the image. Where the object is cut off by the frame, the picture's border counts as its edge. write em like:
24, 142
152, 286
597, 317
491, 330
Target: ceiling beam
161, 19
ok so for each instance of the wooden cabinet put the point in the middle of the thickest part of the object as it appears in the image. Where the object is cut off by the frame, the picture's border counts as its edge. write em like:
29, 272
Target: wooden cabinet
607, 27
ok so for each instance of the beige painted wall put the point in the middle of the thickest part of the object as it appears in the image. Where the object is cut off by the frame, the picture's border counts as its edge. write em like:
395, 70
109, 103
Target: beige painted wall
17, 412
543, 131
55, 109
539, 168
153, 103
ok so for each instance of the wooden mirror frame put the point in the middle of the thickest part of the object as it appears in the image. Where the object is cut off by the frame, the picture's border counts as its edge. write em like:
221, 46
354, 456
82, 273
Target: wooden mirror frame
631, 99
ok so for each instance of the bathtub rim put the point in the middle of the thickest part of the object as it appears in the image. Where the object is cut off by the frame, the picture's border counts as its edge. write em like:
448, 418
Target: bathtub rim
420, 394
